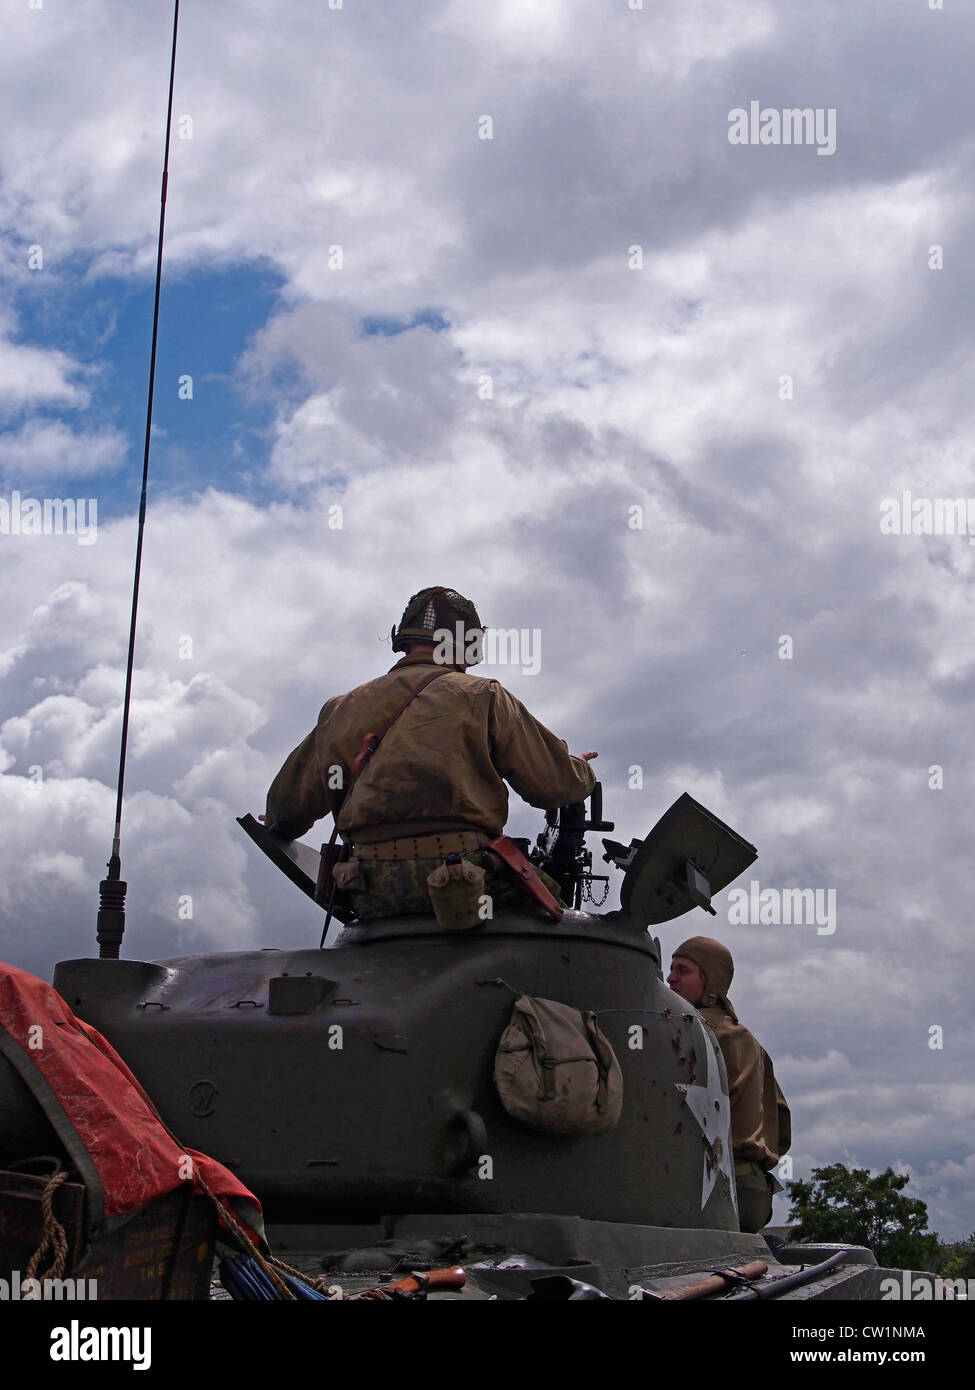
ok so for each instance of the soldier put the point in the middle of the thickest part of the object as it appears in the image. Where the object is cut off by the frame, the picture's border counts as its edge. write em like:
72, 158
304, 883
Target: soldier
761, 1127
434, 785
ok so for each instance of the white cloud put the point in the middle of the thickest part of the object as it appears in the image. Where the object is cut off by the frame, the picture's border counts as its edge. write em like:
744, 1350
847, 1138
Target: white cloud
611, 388
43, 449
37, 376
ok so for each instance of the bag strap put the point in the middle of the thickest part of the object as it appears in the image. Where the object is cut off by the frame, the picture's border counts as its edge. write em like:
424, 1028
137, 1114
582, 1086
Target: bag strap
599, 1052
603, 1059
370, 742
531, 1025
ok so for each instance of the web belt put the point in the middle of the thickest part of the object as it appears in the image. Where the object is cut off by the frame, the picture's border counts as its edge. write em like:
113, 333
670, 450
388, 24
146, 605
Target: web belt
422, 846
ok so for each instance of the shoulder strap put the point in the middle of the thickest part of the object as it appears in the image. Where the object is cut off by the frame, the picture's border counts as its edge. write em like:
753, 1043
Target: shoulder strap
325, 887
372, 741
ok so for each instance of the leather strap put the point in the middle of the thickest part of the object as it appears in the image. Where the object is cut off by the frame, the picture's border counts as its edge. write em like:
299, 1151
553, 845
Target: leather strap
372, 741
325, 888
524, 872
602, 1061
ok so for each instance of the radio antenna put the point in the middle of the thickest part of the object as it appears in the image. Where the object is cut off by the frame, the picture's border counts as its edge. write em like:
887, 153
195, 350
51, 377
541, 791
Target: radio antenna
111, 890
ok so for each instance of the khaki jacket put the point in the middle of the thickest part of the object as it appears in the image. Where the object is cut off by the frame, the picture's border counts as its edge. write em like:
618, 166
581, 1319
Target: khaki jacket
761, 1125
440, 767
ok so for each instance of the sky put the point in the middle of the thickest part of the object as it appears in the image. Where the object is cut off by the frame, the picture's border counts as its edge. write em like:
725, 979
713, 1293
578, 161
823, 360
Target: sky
489, 296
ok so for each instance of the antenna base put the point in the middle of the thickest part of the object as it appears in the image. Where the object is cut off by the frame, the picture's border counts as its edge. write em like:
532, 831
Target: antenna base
111, 917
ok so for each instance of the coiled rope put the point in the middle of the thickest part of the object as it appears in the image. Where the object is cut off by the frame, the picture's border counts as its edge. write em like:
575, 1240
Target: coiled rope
52, 1236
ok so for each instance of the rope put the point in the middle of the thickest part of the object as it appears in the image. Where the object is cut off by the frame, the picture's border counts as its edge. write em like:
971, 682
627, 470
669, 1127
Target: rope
53, 1234
228, 1219
320, 1284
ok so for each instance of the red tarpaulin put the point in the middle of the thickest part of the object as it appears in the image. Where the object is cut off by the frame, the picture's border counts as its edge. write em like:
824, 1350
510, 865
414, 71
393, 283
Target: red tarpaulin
101, 1114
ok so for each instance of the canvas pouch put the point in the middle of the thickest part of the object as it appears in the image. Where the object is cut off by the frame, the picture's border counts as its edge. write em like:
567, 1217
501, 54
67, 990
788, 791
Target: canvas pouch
348, 876
456, 887
555, 1069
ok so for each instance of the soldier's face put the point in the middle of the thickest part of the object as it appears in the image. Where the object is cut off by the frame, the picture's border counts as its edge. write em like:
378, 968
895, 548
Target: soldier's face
686, 979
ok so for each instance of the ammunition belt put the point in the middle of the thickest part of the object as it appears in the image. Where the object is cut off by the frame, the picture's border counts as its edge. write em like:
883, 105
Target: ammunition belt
422, 846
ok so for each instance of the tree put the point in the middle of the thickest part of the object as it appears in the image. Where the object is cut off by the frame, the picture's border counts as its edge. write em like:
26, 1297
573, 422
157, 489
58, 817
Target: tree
958, 1259
854, 1207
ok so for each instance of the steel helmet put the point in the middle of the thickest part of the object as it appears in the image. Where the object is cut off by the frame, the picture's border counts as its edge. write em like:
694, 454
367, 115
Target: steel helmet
438, 611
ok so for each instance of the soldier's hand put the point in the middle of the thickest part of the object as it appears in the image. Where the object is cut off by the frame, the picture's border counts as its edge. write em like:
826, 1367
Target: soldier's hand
586, 757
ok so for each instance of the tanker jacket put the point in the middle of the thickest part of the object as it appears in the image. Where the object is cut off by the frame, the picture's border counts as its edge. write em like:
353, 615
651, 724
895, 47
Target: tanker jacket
761, 1125
439, 768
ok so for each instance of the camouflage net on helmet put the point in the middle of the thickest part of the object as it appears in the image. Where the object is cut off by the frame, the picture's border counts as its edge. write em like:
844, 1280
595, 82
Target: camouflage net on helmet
435, 610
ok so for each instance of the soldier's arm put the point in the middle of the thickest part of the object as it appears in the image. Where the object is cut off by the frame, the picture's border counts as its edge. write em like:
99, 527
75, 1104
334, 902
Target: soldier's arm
784, 1119
298, 796
535, 762
746, 1089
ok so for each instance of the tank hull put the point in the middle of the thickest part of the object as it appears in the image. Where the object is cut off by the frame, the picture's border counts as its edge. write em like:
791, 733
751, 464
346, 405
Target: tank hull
515, 1255
356, 1082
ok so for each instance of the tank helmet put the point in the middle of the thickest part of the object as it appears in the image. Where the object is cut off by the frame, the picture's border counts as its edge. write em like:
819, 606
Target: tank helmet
715, 961
434, 614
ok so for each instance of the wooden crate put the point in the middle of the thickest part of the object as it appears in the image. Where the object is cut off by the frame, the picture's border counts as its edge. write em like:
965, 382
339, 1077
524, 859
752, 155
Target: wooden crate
165, 1251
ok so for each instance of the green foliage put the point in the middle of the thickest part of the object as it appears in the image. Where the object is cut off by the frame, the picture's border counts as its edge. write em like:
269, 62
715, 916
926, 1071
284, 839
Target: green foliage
957, 1261
855, 1207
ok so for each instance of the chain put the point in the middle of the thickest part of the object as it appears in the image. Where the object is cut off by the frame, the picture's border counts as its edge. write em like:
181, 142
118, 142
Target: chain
587, 896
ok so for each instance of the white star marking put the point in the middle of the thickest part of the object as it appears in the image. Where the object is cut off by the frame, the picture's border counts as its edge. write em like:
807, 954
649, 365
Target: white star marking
711, 1108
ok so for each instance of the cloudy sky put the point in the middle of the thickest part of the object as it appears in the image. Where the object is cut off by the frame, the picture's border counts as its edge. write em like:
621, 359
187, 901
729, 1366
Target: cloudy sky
489, 285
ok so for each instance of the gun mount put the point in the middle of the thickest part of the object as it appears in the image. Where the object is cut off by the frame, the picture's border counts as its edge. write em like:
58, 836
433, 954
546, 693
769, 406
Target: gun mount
686, 858
561, 849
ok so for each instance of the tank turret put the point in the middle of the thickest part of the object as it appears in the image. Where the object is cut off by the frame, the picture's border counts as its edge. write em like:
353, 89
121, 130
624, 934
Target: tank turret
359, 1078
352, 1087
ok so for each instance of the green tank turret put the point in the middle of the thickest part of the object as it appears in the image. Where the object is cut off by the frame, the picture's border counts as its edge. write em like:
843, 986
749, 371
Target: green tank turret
352, 1087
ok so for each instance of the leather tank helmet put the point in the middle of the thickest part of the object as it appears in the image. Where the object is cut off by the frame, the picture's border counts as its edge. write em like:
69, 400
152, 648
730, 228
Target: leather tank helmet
717, 965
441, 615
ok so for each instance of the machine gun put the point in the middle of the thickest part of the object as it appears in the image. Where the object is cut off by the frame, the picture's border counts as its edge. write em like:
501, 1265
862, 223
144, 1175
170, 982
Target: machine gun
561, 849
687, 857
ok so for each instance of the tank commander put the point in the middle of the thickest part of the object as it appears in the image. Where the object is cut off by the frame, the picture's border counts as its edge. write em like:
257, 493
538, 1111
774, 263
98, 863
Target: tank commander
761, 1127
435, 785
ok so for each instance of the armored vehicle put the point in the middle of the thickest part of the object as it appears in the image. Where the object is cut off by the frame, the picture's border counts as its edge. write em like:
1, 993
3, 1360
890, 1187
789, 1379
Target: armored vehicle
352, 1086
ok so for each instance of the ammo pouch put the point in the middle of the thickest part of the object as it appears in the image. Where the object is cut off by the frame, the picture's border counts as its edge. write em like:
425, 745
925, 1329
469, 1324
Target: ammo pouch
456, 887
555, 1069
348, 876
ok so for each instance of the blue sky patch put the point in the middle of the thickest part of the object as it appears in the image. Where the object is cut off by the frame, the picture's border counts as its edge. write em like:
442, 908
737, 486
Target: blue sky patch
217, 437
390, 327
